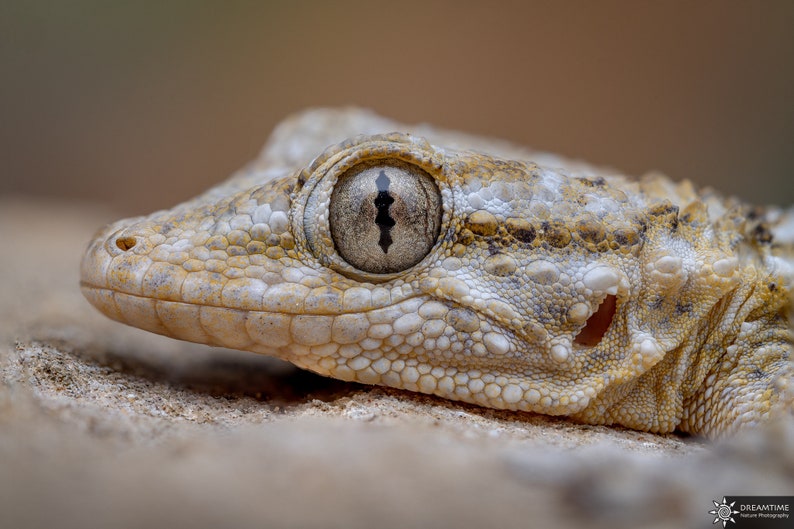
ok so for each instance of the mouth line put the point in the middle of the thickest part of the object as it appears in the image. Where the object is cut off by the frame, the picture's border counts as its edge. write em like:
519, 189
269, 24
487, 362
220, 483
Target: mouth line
84, 285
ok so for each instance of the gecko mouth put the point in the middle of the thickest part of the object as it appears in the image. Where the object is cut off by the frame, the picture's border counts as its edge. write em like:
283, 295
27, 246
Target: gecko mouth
93, 292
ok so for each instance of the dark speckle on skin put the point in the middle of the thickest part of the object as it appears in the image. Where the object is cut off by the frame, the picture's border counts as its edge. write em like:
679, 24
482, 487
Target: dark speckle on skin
762, 234
656, 303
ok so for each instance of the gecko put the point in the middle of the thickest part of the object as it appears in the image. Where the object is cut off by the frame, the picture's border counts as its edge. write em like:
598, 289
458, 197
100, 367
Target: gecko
472, 269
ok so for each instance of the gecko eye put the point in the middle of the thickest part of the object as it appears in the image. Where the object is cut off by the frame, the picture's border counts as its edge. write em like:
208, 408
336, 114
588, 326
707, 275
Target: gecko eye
385, 216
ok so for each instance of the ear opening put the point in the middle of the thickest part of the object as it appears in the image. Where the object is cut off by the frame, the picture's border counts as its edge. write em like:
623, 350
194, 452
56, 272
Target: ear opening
597, 325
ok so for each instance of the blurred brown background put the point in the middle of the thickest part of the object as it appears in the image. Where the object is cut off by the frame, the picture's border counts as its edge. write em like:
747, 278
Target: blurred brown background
142, 104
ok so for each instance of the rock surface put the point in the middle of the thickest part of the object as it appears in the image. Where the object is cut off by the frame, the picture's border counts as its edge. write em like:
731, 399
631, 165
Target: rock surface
106, 426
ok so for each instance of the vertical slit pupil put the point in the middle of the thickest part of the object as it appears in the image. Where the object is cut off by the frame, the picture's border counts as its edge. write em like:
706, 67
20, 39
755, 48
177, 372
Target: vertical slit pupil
383, 218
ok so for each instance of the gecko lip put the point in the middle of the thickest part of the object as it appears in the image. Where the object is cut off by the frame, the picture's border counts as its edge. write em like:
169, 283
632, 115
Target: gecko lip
265, 332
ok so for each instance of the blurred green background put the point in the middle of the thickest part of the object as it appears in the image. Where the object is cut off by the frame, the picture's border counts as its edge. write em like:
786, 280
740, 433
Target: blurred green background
142, 104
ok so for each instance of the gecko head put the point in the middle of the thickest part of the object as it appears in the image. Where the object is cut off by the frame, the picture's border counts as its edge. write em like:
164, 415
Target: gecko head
388, 260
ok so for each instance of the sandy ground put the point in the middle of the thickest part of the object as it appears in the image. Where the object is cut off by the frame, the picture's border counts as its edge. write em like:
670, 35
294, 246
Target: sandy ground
102, 426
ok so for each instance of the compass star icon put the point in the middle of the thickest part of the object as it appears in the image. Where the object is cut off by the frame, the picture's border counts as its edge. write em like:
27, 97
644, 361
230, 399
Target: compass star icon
724, 512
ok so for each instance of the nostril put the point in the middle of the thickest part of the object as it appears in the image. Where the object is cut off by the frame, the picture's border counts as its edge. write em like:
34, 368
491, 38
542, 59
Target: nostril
126, 243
